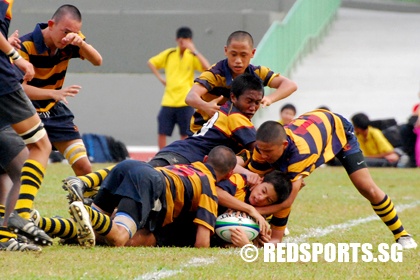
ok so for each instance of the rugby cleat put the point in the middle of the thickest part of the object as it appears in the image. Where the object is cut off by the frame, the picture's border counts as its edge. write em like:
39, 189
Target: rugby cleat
407, 242
13, 245
75, 187
28, 228
35, 217
85, 233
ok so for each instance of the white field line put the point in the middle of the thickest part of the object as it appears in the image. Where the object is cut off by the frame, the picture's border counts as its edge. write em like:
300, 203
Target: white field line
164, 273
317, 232
312, 232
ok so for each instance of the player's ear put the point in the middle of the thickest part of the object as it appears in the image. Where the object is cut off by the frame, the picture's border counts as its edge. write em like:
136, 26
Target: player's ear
253, 52
205, 158
285, 144
226, 50
51, 23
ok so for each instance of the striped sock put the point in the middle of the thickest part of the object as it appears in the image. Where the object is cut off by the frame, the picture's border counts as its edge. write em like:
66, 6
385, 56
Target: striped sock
94, 180
32, 176
386, 211
101, 223
58, 227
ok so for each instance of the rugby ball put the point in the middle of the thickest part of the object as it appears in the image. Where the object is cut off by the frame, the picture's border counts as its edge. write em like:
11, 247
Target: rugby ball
228, 221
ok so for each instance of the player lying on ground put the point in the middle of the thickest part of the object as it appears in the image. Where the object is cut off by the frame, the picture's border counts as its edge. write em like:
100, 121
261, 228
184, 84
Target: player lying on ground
149, 198
305, 144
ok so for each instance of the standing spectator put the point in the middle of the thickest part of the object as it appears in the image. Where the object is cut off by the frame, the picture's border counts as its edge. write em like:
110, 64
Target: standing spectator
378, 151
287, 113
179, 64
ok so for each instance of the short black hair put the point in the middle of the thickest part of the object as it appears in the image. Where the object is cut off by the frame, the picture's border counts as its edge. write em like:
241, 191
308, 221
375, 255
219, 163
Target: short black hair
271, 132
240, 35
245, 82
184, 32
67, 9
281, 183
361, 121
222, 159
288, 106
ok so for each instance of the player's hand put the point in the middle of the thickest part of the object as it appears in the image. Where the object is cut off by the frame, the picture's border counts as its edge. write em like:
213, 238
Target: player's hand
62, 94
266, 101
392, 158
263, 238
73, 39
26, 67
14, 40
264, 226
238, 237
253, 179
211, 107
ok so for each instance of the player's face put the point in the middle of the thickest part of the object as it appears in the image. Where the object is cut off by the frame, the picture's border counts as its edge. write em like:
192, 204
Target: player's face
287, 116
263, 195
60, 29
271, 152
248, 103
239, 54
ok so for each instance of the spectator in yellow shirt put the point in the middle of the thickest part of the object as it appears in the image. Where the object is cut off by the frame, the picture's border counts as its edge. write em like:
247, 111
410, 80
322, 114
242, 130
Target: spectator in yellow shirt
179, 64
377, 150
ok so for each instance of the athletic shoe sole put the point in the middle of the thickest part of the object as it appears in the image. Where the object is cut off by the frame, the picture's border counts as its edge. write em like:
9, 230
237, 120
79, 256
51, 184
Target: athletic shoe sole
14, 245
85, 233
75, 187
27, 228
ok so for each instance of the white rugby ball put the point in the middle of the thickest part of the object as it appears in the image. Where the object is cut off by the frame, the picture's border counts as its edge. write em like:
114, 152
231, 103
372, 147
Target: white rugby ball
228, 221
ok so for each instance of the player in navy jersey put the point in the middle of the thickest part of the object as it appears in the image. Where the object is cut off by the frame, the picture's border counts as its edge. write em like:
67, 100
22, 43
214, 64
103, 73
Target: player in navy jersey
230, 126
212, 88
310, 141
17, 111
148, 198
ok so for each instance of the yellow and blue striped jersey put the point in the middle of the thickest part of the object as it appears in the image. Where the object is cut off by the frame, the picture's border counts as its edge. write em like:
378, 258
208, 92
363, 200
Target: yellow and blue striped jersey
313, 139
228, 127
218, 82
191, 188
50, 69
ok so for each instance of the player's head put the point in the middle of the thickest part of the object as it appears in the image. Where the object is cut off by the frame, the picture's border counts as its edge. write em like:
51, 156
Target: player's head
183, 37
223, 160
271, 141
275, 188
67, 19
239, 50
361, 123
246, 94
287, 113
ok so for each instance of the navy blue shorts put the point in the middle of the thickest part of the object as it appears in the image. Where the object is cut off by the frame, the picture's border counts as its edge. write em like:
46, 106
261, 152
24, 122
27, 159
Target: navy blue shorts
138, 181
169, 116
11, 144
15, 107
351, 157
58, 122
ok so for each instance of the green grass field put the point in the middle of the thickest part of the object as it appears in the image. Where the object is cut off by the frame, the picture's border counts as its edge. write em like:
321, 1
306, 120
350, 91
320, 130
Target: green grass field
327, 210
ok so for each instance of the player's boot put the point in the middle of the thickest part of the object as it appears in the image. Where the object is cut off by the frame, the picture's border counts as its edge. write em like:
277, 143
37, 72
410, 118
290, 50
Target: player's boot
75, 187
13, 245
28, 228
407, 242
85, 233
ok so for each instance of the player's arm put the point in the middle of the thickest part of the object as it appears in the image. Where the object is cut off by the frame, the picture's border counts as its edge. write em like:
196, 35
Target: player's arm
189, 44
202, 238
229, 201
35, 93
156, 72
284, 87
22, 64
194, 100
86, 51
